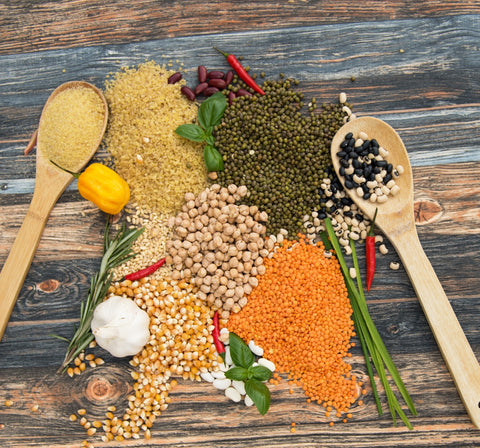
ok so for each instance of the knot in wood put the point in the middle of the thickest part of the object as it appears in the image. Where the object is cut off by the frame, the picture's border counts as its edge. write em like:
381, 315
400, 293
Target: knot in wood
427, 211
49, 285
100, 389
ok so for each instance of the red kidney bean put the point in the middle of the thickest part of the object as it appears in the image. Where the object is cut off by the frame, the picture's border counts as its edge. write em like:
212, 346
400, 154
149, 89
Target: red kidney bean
243, 92
188, 92
200, 88
218, 83
231, 97
215, 74
229, 77
209, 91
173, 79
202, 73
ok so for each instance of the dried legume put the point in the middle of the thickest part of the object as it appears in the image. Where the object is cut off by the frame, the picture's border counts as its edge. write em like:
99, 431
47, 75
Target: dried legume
302, 286
219, 245
277, 152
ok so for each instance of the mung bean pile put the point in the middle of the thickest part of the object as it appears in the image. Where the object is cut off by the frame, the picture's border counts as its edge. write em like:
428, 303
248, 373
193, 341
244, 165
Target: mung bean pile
279, 153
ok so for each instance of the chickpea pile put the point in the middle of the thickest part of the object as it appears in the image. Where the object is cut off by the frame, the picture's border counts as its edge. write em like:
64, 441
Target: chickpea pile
219, 245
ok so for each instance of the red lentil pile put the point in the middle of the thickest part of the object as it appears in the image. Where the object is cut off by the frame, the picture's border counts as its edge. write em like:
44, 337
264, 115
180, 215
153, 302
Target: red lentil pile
300, 314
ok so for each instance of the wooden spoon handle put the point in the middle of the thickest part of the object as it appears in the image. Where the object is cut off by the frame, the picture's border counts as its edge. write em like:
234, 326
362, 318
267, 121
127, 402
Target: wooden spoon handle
453, 344
21, 254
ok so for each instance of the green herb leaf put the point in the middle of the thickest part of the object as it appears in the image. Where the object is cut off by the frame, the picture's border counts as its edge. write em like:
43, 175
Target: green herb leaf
259, 393
213, 159
116, 251
191, 131
211, 111
237, 374
259, 373
241, 355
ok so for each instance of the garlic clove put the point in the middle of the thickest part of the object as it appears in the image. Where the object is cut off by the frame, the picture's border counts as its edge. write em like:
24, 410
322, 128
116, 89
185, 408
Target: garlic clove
120, 326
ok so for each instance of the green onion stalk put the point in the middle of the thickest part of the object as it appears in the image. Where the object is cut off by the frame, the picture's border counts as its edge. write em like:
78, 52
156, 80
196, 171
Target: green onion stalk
371, 342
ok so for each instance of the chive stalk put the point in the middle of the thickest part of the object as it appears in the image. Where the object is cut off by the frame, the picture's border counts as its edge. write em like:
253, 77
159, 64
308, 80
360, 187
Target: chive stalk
373, 348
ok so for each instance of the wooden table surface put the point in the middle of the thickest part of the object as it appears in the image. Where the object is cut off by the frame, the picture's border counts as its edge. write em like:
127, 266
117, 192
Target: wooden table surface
414, 64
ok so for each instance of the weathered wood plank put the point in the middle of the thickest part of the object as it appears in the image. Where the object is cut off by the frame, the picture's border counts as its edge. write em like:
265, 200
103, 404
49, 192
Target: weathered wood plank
419, 75
440, 48
39, 25
455, 187
199, 415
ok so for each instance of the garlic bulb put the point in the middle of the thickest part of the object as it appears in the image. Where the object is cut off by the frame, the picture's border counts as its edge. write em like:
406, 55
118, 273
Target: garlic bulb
120, 326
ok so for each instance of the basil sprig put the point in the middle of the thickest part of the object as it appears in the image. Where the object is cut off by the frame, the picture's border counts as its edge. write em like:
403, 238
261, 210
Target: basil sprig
252, 376
210, 114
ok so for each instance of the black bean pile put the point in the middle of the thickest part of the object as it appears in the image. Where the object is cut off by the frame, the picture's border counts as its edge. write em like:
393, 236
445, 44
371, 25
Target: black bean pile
279, 153
364, 168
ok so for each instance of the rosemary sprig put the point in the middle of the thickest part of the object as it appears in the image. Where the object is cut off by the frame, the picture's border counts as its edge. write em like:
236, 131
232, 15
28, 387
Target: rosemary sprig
116, 251
372, 344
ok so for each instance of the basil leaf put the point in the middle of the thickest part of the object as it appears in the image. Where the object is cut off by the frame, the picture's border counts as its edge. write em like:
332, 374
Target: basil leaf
260, 373
259, 393
211, 111
213, 159
191, 131
237, 373
241, 355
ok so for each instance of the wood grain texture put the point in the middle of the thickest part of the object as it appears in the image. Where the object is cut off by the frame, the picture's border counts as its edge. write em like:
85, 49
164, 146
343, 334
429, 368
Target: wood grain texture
415, 66
39, 25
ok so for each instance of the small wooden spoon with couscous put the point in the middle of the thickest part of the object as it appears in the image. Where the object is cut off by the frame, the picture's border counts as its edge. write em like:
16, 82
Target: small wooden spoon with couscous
395, 217
71, 128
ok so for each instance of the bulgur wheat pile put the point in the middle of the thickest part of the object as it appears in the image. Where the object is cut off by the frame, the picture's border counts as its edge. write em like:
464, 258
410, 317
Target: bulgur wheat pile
159, 166
300, 314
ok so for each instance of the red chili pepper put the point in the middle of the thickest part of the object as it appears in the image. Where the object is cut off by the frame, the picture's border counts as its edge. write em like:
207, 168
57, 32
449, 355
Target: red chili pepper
370, 252
146, 271
216, 336
246, 78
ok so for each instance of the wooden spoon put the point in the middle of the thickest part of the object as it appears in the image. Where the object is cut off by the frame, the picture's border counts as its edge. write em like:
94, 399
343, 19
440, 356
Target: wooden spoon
50, 182
395, 218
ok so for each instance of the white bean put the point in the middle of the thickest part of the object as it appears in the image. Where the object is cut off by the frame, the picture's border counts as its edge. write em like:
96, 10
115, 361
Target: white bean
240, 386
256, 350
395, 189
266, 363
228, 356
221, 384
394, 265
207, 376
218, 374
233, 394
248, 401
363, 135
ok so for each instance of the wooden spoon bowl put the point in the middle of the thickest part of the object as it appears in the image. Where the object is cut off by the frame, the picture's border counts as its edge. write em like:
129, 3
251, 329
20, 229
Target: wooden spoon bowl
395, 218
50, 183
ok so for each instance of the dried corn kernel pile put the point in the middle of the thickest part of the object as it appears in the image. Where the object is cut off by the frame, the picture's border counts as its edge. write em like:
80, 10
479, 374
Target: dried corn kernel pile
180, 344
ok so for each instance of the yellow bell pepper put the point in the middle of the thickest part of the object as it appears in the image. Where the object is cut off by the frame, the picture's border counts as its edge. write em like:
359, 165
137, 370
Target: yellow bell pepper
104, 187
